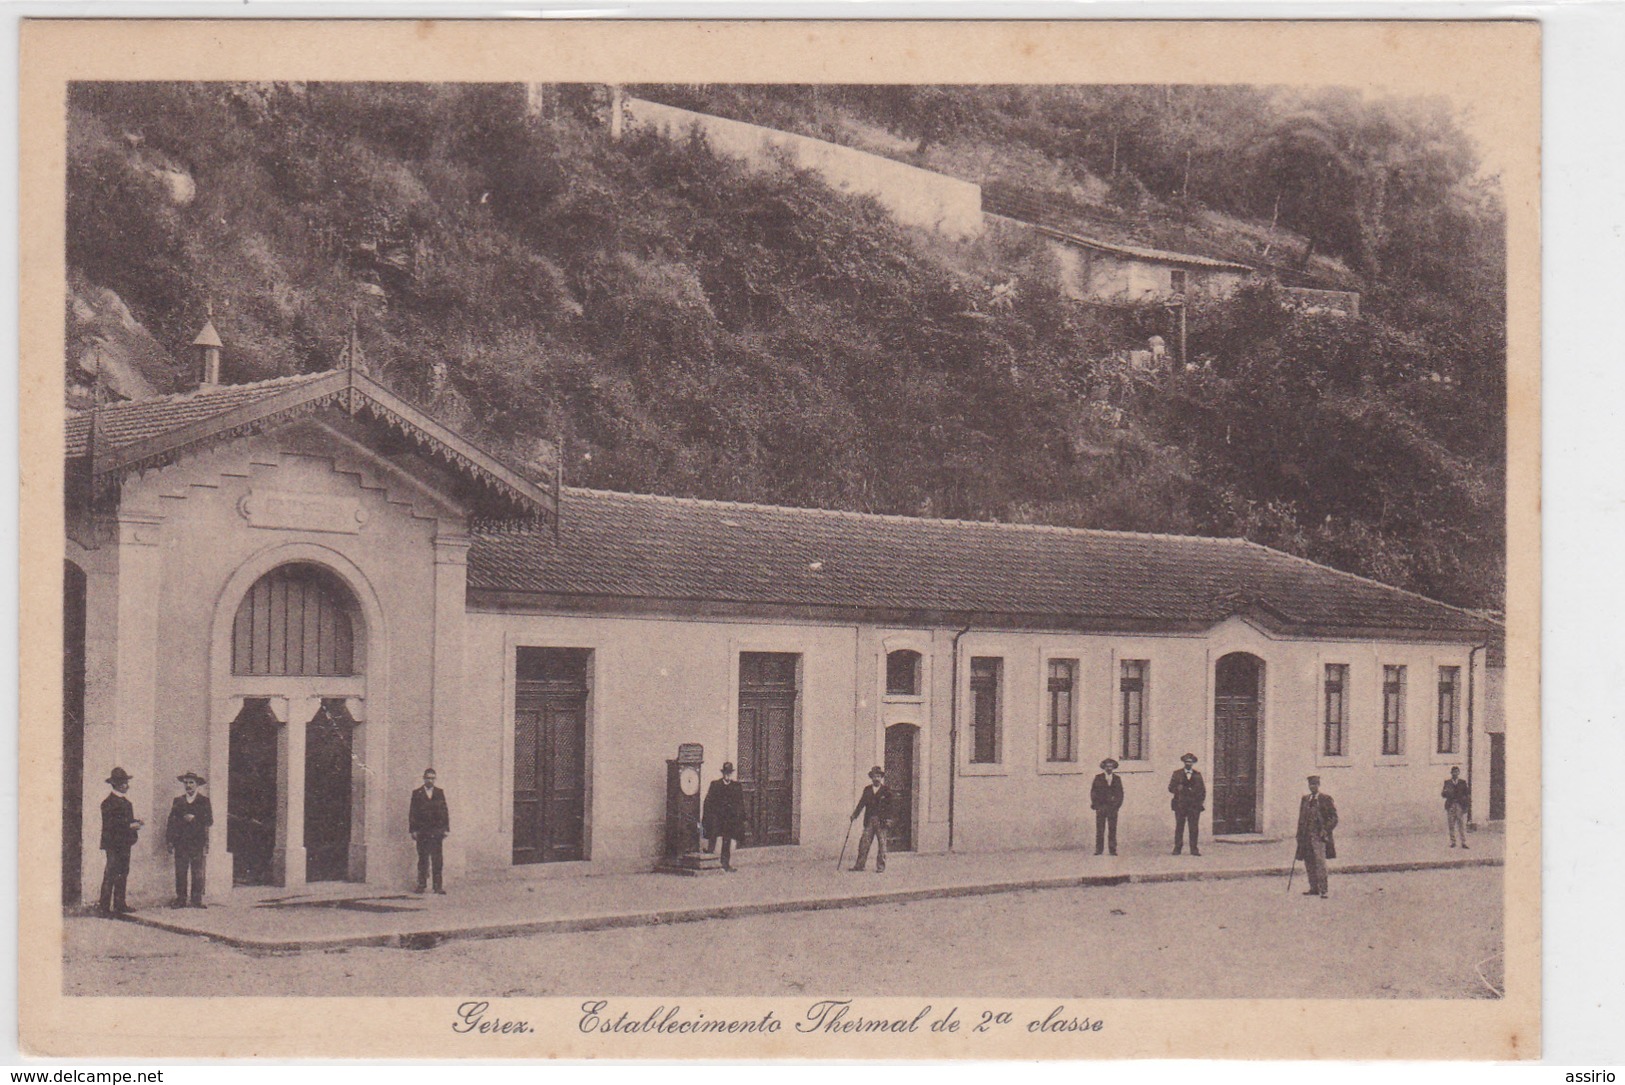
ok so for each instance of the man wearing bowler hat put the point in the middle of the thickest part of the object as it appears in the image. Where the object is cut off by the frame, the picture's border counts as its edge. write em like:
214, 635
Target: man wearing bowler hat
120, 827
1189, 800
724, 814
187, 835
1317, 817
875, 805
1105, 799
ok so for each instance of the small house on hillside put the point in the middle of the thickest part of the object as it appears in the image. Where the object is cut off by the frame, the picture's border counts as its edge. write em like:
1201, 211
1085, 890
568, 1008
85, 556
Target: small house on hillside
1098, 271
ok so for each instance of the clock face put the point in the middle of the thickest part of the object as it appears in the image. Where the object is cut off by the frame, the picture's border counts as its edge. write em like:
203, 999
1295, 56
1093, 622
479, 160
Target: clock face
689, 780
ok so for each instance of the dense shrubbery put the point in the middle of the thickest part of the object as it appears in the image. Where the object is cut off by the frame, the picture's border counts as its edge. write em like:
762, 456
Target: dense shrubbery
691, 327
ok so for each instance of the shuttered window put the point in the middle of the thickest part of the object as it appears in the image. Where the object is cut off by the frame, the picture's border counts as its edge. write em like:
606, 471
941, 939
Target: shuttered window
1333, 726
1393, 710
986, 678
1449, 694
1131, 725
1062, 680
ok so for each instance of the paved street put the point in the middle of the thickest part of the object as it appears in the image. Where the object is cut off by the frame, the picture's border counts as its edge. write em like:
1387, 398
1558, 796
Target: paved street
1384, 935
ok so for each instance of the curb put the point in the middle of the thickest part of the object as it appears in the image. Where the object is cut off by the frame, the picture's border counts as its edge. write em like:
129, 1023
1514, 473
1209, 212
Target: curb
428, 939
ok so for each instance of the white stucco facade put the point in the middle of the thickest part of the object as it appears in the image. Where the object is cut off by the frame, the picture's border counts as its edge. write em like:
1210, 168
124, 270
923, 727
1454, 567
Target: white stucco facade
434, 683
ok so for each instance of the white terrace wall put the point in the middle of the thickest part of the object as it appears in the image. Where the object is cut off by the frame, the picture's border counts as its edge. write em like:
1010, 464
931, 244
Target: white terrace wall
913, 196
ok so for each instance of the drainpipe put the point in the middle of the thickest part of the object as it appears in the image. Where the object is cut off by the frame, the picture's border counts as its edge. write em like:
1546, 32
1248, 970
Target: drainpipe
953, 734
1472, 822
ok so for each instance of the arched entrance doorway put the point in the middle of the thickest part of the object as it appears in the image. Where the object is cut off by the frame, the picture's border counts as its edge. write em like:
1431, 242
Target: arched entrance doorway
73, 729
296, 640
902, 746
1238, 697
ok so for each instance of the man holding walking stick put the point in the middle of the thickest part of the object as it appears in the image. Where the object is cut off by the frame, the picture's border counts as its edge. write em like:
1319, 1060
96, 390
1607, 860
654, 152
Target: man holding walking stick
1317, 817
875, 805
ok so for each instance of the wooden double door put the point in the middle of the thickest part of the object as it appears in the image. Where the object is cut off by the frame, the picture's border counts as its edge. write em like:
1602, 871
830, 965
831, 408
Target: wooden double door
767, 745
1237, 700
550, 755
254, 803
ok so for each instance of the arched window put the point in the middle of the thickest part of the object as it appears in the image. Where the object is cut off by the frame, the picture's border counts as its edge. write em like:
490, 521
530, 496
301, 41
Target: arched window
296, 620
903, 673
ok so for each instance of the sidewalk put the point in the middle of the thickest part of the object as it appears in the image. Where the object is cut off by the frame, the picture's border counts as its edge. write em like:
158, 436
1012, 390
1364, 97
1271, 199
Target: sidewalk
334, 915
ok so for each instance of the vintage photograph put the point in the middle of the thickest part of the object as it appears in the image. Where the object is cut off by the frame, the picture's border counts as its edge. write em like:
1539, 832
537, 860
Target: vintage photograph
997, 540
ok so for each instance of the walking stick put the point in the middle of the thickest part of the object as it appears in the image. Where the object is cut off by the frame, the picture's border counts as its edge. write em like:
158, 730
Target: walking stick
1291, 872
841, 862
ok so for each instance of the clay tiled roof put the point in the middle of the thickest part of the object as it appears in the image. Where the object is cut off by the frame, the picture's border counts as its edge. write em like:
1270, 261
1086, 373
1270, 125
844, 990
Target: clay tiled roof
625, 550
115, 440
124, 424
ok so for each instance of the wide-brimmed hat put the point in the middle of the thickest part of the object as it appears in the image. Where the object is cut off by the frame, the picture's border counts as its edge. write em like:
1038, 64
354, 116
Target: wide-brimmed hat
185, 776
727, 767
1189, 759
877, 771
1109, 764
1314, 779
119, 776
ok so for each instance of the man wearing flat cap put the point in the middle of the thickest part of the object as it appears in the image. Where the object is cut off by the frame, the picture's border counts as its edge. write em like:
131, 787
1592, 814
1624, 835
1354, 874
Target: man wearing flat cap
187, 835
724, 814
120, 828
875, 805
1189, 800
1105, 799
1317, 817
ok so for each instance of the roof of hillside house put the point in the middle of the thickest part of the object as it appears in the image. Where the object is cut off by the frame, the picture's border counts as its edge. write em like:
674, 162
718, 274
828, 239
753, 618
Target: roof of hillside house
1156, 256
627, 551
115, 440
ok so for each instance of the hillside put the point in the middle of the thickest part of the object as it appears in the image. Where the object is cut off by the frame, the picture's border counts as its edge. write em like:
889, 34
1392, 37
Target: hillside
689, 327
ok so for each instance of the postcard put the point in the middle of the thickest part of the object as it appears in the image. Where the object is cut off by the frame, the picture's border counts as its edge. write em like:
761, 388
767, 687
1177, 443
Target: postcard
851, 540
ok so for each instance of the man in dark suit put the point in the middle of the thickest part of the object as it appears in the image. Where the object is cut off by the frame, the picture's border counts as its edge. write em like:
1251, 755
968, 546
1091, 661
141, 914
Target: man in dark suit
187, 835
1317, 817
875, 805
120, 828
1189, 800
1105, 799
430, 823
1458, 805
724, 814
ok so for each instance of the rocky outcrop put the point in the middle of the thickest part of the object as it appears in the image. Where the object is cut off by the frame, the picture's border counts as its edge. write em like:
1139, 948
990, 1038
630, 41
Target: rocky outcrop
104, 337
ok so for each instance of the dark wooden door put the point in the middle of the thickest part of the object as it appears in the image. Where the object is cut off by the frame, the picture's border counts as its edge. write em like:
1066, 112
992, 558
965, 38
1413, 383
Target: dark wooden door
1234, 796
550, 756
766, 759
1498, 777
251, 795
901, 742
329, 757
